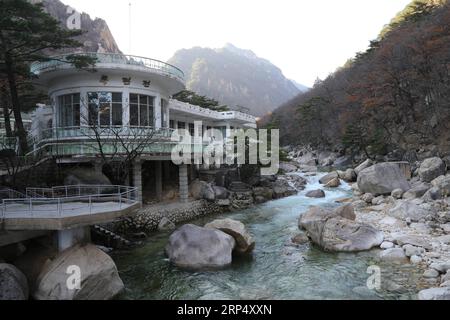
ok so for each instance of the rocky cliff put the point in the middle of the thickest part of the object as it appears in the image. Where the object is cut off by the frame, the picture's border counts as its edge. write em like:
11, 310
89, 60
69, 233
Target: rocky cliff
97, 38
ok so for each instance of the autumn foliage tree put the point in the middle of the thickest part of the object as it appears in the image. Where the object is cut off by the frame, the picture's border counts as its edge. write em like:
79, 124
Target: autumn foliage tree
394, 95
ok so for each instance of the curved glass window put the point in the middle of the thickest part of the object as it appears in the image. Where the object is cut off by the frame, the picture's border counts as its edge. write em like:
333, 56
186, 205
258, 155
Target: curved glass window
105, 108
141, 110
68, 111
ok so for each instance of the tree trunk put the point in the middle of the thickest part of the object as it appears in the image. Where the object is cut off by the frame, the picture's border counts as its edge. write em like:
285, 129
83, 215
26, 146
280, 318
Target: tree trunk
6, 117
15, 102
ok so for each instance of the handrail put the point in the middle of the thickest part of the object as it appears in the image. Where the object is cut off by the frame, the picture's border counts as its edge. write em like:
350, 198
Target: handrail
116, 58
83, 203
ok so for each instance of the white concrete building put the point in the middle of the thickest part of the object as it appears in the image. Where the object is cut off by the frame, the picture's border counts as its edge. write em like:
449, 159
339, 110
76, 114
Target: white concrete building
129, 96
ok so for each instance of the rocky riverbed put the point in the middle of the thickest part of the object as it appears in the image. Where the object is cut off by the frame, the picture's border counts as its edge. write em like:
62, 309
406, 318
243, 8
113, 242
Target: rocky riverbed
288, 263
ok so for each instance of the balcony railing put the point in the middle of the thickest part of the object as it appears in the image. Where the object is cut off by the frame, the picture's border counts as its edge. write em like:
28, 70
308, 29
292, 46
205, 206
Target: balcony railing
105, 132
153, 65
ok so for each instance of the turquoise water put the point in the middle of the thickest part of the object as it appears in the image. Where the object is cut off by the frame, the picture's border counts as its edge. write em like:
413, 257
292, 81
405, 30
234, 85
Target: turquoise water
276, 270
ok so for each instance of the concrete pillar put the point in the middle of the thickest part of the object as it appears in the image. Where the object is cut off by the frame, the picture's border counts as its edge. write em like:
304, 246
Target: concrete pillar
158, 180
68, 238
126, 107
137, 177
157, 111
183, 180
84, 107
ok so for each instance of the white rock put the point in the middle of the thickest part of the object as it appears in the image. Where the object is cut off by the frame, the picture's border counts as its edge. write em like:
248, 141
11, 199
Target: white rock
378, 200
367, 197
386, 245
397, 193
415, 259
411, 250
393, 255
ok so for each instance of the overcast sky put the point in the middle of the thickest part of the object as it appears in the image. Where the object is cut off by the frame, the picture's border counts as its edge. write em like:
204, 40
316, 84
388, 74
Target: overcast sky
305, 38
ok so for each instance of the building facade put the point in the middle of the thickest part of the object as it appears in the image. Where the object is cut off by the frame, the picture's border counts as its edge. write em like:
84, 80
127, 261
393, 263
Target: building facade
126, 98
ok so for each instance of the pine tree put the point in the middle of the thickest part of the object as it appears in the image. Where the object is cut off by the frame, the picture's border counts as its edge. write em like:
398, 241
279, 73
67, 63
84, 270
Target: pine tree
26, 32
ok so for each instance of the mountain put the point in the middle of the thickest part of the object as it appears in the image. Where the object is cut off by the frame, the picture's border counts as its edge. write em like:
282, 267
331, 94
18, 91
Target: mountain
97, 38
391, 99
235, 77
302, 88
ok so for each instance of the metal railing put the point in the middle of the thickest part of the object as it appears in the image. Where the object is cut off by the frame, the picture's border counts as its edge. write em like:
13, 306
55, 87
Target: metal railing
105, 132
69, 201
154, 65
7, 193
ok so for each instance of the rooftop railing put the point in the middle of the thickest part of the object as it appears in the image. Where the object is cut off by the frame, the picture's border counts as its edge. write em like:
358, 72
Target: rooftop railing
61, 61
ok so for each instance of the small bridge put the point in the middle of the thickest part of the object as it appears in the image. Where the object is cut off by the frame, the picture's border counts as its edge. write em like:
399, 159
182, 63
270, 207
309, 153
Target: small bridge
66, 207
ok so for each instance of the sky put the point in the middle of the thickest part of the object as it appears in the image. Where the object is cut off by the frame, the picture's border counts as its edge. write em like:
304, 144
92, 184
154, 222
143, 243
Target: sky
306, 39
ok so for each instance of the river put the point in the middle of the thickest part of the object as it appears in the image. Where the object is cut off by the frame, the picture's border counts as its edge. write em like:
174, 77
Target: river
277, 269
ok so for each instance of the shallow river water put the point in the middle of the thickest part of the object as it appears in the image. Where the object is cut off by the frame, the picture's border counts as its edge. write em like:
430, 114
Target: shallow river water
277, 269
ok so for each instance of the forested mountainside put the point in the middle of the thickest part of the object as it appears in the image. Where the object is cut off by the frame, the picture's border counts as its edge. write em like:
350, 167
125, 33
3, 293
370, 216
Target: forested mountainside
394, 96
97, 38
235, 77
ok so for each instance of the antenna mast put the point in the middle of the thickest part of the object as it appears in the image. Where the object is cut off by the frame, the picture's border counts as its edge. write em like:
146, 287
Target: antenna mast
129, 27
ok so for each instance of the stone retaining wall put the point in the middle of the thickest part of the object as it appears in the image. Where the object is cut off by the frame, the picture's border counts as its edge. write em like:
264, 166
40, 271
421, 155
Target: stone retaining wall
148, 217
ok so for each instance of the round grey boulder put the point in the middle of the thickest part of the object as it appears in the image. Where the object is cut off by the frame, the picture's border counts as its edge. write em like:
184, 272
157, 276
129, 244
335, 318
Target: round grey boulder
244, 241
332, 232
315, 194
194, 247
382, 178
431, 168
13, 283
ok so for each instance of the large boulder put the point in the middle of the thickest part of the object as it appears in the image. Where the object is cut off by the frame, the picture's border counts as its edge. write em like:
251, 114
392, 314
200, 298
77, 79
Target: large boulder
417, 190
435, 294
99, 276
244, 241
328, 177
13, 283
281, 188
334, 183
363, 166
221, 192
431, 168
382, 178
287, 167
409, 209
315, 194
85, 176
201, 190
342, 162
194, 247
443, 184
350, 175
335, 233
